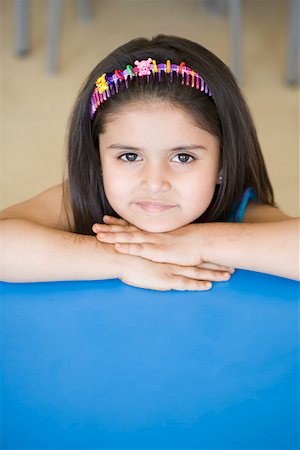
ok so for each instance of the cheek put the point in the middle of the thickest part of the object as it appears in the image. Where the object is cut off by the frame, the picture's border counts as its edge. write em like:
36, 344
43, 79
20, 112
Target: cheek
197, 194
116, 186
199, 186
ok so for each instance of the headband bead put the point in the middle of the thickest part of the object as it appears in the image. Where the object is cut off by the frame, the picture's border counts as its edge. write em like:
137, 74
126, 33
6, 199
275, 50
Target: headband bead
168, 66
129, 70
119, 74
181, 65
108, 84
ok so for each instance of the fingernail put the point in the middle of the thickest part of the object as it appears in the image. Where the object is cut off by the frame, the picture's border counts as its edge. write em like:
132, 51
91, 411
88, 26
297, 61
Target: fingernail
208, 285
226, 275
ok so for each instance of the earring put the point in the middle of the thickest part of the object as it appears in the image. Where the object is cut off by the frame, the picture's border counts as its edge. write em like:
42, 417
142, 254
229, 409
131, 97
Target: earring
220, 178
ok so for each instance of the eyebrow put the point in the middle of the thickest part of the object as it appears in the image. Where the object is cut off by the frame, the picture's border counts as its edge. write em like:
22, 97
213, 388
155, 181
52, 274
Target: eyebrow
179, 148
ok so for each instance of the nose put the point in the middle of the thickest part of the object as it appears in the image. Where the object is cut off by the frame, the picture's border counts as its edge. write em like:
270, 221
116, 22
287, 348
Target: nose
155, 179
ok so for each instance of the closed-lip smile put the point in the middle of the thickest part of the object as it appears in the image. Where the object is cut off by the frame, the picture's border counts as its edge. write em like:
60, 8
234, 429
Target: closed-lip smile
153, 206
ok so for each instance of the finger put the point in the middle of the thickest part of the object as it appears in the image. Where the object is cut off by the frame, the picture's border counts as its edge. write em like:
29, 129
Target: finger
202, 274
130, 237
180, 283
145, 250
114, 220
169, 283
100, 228
216, 267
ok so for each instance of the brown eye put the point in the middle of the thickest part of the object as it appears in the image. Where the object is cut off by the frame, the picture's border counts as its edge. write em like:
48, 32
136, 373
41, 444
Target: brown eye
129, 157
184, 158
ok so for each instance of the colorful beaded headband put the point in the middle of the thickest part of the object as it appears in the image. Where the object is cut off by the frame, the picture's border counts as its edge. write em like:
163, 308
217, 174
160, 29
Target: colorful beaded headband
107, 84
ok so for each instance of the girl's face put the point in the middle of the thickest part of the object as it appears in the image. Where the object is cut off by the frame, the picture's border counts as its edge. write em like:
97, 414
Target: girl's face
159, 169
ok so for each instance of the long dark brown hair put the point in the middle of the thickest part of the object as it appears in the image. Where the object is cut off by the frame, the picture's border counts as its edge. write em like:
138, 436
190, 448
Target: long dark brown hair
225, 115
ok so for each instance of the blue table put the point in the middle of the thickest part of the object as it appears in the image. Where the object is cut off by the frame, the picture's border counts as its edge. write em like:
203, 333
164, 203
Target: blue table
103, 365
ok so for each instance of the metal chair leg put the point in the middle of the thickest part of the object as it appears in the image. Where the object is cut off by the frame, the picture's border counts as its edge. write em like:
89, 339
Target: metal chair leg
235, 37
85, 10
54, 26
292, 75
216, 7
21, 27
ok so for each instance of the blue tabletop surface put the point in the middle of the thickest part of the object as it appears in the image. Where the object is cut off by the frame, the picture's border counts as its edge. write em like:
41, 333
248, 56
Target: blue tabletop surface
103, 365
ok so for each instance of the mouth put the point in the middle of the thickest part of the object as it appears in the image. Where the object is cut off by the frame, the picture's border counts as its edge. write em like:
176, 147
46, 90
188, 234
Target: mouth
154, 207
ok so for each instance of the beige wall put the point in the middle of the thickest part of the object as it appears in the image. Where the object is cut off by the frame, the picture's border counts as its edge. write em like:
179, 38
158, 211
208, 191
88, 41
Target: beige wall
35, 106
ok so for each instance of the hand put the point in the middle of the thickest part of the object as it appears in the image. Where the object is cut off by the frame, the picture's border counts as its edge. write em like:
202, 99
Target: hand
175, 247
142, 273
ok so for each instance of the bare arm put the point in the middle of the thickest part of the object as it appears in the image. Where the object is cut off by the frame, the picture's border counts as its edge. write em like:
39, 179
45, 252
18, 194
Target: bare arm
267, 242
33, 252
271, 247
37, 244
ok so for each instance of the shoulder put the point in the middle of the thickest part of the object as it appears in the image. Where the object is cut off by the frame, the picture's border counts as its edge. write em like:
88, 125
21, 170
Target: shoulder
51, 208
257, 213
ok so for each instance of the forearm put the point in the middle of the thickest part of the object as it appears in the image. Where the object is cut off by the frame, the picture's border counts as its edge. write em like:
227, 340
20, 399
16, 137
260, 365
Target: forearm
263, 247
32, 253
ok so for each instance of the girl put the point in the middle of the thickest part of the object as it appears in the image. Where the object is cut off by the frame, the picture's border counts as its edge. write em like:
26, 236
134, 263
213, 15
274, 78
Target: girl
163, 166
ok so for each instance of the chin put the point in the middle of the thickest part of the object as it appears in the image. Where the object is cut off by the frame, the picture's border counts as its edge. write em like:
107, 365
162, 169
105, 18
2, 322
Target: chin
157, 227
